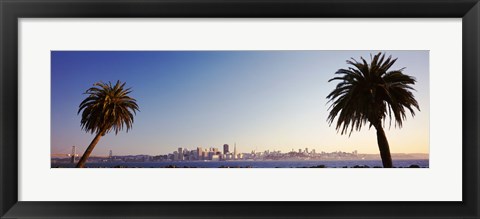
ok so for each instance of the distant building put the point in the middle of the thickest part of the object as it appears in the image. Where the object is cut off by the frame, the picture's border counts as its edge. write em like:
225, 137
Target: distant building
175, 155
210, 155
180, 153
225, 149
199, 153
235, 151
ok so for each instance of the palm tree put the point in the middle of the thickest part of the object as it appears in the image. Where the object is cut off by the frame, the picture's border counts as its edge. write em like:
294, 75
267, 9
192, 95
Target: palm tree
370, 93
106, 108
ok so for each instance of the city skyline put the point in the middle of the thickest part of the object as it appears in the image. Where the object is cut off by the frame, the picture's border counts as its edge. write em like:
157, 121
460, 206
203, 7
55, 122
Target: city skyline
189, 157
110, 152
262, 100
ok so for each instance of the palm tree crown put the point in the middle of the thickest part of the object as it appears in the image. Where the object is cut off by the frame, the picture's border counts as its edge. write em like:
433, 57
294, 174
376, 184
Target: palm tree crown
371, 92
107, 108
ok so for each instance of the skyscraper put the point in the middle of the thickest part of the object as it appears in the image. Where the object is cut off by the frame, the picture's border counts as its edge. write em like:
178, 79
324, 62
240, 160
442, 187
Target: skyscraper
225, 149
199, 153
180, 153
235, 151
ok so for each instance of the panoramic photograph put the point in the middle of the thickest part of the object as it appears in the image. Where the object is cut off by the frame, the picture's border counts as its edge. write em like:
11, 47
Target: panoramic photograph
240, 109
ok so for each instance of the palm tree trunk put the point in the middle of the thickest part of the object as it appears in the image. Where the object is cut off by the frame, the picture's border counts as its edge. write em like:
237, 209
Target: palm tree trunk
83, 160
384, 147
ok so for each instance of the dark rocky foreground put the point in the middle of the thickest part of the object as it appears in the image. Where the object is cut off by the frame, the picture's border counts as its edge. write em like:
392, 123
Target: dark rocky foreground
253, 164
318, 166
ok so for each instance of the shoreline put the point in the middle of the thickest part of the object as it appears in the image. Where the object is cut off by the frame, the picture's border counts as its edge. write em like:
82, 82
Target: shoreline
220, 167
418, 163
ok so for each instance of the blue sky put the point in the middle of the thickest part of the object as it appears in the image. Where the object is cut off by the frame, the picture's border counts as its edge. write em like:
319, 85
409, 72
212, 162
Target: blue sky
261, 100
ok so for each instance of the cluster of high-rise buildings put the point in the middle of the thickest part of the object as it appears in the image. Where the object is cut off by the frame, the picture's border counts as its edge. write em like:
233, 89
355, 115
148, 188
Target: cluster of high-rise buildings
200, 153
216, 154
225, 153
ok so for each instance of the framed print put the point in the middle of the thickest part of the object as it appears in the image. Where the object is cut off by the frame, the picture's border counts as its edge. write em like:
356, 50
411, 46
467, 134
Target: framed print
231, 109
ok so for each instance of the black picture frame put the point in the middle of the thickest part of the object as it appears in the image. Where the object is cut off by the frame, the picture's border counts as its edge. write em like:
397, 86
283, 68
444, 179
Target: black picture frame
12, 10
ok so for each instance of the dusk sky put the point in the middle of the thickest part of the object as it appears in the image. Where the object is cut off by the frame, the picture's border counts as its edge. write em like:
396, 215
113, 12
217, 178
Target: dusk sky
260, 100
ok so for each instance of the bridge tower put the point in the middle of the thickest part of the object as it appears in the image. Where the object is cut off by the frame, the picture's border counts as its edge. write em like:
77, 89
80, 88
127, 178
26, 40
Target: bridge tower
73, 154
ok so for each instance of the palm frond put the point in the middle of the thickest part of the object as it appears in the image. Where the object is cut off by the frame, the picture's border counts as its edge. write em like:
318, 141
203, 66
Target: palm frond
369, 92
107, 107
